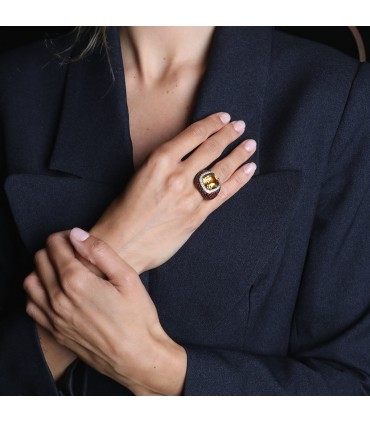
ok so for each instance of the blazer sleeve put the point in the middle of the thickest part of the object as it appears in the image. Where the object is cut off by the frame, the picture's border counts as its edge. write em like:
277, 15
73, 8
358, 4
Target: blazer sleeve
23, 369
329, 352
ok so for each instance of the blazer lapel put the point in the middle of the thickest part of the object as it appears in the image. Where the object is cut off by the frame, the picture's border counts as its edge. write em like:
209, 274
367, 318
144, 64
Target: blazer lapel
235, 79
93, 139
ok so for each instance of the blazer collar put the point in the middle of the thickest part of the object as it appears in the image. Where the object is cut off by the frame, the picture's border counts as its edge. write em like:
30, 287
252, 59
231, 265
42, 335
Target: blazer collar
93, 138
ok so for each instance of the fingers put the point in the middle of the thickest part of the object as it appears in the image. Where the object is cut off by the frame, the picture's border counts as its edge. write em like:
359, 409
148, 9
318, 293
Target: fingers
211, 149
61, 253
101, 255
46, 273
195, 134
230, 187
38, 315
227, 166
36, 292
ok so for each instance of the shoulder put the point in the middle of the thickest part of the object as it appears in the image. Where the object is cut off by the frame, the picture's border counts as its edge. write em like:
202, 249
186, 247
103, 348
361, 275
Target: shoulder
316, 65
34, 56
323, 76
32, 68
319, 58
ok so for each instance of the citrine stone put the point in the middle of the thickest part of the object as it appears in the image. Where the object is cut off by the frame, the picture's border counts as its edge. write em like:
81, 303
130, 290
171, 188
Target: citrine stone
210, 181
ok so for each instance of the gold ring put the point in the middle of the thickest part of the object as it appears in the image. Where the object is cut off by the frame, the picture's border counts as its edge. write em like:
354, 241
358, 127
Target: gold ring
207, 183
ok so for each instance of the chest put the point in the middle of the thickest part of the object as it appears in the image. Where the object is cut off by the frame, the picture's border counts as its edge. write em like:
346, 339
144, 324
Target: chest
159, 112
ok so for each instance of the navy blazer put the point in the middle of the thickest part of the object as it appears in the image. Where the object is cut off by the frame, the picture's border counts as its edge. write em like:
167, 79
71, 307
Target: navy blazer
271, 295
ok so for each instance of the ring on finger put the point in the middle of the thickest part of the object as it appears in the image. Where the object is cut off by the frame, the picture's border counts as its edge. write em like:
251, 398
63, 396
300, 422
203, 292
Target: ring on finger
207, 183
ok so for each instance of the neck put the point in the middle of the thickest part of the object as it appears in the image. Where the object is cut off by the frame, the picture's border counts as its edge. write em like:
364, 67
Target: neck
155, 52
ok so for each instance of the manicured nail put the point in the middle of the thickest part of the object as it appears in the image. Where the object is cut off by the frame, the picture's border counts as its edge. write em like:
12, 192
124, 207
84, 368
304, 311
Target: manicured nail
250, 167
225, 117
79, 234
239, 125
250, 145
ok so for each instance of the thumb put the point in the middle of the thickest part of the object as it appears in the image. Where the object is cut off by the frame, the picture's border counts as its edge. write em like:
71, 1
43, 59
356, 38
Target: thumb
100, 254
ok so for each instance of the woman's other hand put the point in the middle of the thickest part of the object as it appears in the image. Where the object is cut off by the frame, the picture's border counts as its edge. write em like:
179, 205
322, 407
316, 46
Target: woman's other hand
160, 207
57, 356
111, 323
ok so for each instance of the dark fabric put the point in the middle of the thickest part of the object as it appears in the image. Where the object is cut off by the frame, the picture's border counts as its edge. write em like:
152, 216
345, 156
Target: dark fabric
271, 295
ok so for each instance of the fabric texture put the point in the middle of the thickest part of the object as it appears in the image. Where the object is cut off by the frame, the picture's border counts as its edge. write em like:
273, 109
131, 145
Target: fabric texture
282, 306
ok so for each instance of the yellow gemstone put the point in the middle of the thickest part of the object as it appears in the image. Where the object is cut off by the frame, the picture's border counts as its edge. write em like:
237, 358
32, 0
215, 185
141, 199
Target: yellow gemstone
210, 181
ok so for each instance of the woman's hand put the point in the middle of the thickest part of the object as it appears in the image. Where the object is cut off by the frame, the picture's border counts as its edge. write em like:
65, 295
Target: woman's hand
57, 356
112, 323
160, 206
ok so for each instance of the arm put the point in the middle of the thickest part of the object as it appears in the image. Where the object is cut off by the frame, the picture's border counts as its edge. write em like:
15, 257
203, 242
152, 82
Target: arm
111, 323
133, 232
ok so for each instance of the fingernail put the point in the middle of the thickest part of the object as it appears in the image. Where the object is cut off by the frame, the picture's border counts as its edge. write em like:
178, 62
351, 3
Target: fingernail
239, 125
79, 234
250, 167
250, 145
225, 117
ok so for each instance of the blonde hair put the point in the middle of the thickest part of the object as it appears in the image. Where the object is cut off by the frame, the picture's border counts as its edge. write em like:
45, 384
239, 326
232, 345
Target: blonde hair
91, 39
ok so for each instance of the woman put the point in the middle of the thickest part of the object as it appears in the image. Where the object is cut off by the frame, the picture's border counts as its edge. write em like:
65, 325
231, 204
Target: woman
261, 290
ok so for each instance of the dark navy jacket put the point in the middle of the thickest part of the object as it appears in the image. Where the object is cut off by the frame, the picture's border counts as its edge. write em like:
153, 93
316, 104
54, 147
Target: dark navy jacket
271, 295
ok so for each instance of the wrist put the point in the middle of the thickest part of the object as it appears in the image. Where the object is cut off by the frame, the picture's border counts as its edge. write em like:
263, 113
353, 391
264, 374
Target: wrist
115, 236
165, 371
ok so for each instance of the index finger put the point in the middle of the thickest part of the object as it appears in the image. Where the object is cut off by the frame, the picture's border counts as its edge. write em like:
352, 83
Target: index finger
195, 134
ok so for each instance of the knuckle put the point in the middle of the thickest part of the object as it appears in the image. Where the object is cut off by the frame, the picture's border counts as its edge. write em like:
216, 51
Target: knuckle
130, 278
61, 305
77, 288
70, 279
67, 274
214, 147
160, 158
178, 182
164, 149
50, 241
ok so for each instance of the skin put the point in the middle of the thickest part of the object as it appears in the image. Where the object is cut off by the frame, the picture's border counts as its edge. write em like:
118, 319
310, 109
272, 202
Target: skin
155, 215
163, 67
123, 340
